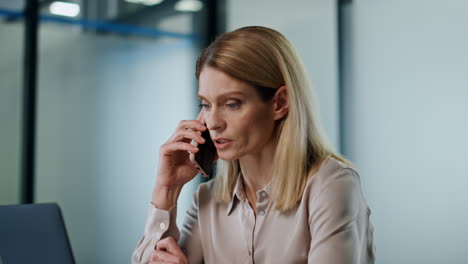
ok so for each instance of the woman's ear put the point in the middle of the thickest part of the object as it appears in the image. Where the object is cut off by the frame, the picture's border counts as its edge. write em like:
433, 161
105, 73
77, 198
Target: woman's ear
280, 103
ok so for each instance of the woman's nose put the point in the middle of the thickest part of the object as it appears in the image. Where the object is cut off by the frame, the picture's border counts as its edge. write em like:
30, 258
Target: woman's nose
214, 120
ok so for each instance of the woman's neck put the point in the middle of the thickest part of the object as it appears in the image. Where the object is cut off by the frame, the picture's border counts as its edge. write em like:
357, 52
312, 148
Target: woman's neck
257, 171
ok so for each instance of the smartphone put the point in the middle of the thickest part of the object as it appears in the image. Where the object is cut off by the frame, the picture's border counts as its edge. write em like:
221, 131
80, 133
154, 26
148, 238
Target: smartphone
206, 155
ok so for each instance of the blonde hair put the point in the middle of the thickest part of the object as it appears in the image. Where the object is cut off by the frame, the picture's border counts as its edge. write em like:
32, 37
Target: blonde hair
263, 58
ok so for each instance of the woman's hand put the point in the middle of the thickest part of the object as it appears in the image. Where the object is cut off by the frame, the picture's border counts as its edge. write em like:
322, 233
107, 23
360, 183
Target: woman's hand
167, 251
175, 168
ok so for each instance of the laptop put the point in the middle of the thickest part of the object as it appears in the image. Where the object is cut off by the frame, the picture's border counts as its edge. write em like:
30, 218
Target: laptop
33, 233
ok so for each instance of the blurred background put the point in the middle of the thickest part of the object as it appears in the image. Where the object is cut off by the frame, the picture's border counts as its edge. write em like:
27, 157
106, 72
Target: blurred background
114, 77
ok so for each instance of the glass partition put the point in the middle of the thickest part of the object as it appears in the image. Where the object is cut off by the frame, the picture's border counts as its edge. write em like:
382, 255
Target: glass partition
11, 76
114, 81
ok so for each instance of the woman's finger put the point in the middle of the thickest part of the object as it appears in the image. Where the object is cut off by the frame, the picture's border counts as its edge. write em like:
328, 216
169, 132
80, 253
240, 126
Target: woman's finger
192, 124
170, 245
187, 134
169, 148
160, 256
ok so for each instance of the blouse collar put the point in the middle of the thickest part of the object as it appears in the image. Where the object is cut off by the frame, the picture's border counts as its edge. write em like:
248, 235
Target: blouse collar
239, 192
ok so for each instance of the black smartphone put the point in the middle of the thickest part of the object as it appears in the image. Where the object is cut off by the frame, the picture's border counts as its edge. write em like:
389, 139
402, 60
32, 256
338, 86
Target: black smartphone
206, 155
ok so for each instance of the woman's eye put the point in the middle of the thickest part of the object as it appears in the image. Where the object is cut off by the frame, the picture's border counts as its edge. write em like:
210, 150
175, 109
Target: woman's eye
233, 105
204, 106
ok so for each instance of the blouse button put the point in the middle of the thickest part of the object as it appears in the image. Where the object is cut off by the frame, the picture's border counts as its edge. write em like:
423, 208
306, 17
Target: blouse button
262, 212
263, 194
162, 225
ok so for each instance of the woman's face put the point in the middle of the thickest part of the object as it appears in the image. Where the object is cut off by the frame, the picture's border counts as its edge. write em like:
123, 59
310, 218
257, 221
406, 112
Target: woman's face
240, 123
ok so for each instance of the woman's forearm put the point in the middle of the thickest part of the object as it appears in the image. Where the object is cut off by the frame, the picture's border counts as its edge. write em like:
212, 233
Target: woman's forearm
164, 197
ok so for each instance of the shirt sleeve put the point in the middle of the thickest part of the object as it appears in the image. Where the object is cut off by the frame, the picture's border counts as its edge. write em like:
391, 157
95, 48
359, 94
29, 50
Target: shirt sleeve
161, 224
339, 223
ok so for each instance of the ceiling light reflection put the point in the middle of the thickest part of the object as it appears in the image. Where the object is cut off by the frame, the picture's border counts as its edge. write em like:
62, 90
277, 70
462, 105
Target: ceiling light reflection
145, 2
188, 6
64, 9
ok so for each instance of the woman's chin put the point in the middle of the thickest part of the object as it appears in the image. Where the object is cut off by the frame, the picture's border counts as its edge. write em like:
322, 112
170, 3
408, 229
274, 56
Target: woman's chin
227, 159
227, 156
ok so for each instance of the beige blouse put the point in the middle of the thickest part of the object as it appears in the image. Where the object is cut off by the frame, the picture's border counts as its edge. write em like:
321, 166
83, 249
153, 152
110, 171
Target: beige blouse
329, 225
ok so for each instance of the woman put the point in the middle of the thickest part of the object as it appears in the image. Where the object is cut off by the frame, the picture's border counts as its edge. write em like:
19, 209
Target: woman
281, 194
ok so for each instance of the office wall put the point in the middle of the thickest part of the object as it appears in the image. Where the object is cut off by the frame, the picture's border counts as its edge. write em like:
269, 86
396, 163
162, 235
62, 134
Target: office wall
311, 27
406, 124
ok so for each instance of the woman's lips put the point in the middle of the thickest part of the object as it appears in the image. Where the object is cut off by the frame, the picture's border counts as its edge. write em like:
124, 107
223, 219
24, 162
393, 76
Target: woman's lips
222, 143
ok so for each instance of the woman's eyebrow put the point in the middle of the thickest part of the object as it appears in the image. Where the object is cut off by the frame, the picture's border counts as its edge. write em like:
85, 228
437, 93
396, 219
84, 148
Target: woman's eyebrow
222, 96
